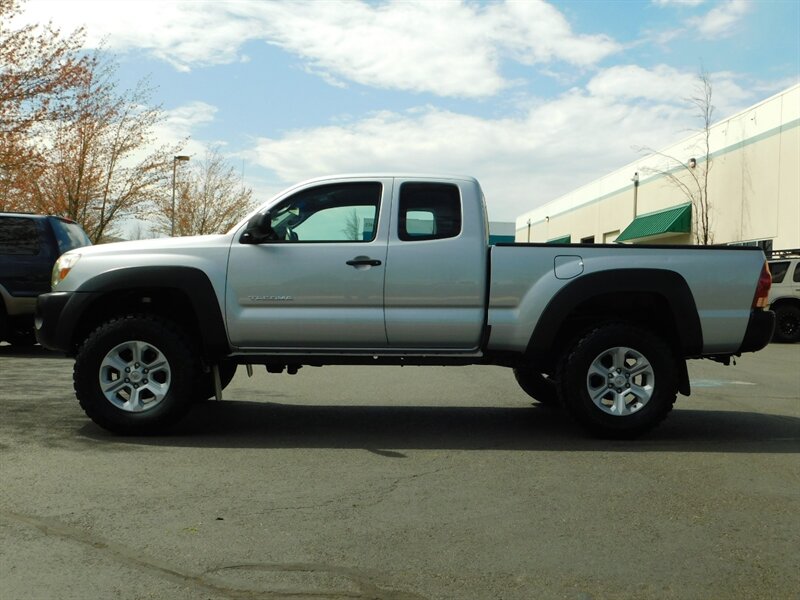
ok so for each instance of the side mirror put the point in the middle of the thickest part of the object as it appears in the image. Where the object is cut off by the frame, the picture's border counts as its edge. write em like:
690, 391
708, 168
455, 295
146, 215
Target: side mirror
258, 230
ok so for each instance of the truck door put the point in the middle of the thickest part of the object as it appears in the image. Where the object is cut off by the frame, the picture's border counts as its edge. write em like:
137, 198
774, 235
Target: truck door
319, 284
436, 266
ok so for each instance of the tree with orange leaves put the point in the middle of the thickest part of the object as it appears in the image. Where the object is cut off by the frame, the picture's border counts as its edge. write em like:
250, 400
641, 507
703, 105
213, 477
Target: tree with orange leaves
102, 165
38, 66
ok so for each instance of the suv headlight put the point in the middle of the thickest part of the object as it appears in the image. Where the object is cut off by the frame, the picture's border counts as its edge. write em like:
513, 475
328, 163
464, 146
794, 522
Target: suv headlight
62, 267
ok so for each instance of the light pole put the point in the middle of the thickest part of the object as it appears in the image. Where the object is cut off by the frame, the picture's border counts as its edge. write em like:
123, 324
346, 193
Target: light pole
175, 159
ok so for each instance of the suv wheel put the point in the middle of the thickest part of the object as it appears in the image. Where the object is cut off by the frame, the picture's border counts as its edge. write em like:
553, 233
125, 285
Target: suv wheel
135, 375
21, 337
787, 323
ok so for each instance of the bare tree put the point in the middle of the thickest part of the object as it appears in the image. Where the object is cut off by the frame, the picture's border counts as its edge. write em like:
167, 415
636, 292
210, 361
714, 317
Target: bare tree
211, 198
691, 177
352, 226
101, 166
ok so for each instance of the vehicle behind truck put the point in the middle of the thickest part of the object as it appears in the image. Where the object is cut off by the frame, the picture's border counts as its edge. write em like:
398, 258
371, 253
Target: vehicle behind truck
29, 247
397, 269
784, 295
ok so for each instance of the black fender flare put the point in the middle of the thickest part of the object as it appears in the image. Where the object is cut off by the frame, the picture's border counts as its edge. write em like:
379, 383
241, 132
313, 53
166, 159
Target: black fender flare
193, 282
662, 282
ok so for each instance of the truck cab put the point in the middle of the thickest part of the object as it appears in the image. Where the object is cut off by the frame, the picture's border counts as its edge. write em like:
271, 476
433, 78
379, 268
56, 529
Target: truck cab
388, 263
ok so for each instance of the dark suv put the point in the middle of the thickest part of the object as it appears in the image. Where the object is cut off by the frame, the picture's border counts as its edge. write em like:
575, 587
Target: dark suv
29, 246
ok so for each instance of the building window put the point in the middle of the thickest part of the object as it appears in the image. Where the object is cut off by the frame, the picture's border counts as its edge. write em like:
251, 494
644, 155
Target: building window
588, 240
765, 245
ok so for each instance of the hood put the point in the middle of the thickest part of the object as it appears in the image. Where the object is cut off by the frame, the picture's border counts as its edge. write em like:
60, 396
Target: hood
158, 244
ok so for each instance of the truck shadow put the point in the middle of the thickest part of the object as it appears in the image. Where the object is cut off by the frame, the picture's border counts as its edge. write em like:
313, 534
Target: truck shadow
36, 351
388, 430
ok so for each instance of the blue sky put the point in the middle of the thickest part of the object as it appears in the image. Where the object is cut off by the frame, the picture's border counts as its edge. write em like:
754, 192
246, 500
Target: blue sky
533, 98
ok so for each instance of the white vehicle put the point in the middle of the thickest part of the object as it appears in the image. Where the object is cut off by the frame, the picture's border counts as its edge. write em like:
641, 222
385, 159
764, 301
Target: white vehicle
394, 269
784, 296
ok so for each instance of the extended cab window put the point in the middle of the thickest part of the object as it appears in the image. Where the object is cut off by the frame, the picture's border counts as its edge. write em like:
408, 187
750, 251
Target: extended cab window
330, 213
429, 211
19, 236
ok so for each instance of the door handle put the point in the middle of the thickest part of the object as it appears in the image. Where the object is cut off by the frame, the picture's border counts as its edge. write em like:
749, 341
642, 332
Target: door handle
363, 261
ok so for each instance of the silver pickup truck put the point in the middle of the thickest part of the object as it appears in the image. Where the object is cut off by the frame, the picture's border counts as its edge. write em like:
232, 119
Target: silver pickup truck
390, 269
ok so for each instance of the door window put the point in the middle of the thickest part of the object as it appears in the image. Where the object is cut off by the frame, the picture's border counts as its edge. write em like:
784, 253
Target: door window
341, 212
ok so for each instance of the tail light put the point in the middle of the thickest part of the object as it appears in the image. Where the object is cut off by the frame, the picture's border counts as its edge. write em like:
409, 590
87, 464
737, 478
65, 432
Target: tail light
761, 299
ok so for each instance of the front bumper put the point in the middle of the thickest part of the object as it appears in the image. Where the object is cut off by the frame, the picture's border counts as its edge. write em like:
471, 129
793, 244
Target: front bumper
52, 331
759, 330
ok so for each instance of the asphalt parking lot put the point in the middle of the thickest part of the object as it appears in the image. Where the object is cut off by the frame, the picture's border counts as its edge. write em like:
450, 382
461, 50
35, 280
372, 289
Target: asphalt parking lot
401, 484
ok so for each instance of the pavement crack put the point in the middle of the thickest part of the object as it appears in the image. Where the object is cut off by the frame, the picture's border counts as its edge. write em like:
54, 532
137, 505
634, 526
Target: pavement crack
367, 589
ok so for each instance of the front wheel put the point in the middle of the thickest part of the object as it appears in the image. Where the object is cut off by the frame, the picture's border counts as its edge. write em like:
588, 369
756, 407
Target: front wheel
618, 380
135, 375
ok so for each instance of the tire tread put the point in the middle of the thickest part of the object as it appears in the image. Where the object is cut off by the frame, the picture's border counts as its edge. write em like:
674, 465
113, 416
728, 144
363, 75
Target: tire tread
84, 377
596, 422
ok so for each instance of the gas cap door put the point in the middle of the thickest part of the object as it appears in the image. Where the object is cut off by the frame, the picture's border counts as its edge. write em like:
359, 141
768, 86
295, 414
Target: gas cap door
567, 267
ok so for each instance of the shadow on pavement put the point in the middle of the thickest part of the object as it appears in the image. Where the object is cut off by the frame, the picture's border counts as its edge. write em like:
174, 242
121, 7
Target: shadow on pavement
235, 424
36, 351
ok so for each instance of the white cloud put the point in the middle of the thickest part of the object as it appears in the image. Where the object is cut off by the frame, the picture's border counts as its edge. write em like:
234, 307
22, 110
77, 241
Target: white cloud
183, 119
181, 124
664, 84
179, 32
678, 2
522, 160
721, 21
446, 48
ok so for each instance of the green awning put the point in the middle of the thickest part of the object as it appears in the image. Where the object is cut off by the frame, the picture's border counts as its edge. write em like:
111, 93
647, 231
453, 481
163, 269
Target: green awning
677, 219
566, 239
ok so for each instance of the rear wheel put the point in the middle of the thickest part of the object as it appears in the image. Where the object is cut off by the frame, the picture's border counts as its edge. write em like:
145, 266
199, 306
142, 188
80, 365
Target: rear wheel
135, 375
618, 380
787, 323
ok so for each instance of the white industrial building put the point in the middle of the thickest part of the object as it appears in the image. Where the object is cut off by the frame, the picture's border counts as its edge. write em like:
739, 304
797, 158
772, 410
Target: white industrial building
753, 189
